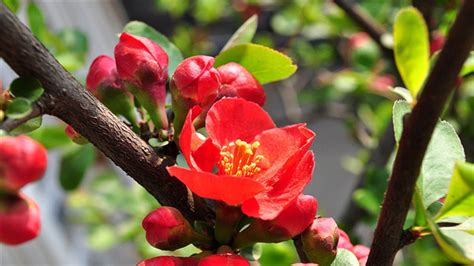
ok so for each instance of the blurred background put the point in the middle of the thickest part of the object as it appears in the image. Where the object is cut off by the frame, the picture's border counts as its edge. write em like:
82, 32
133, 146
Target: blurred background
91, 212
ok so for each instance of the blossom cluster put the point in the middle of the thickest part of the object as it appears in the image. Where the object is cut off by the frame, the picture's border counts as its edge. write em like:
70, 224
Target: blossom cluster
22, 161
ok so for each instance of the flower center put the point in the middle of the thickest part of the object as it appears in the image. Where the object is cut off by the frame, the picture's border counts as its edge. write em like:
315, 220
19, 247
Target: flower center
238, 158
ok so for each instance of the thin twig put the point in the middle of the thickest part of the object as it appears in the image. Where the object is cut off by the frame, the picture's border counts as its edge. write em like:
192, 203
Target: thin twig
416, 135
10, 124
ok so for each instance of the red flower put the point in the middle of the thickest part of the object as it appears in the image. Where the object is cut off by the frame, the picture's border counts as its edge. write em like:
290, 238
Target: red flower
344, 241
143, 66
238, 82
262, 167
320, 241
167, 229
19, 219
102, 73
283, 227
22, 161
168, 261
362, 253
227, 259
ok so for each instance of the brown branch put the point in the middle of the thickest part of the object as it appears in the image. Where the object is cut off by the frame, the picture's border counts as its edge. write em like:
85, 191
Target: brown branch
66, 99
10, 124
299, 249
416, 136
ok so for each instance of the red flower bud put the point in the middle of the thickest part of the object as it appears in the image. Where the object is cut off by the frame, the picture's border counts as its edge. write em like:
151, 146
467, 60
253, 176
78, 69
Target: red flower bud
74, 136
102, 74
437, 42
344, 241
195, 82
22, 160
168, 261
382, 83
238, 82
167, 229
227, 259
143, 66
362, 253
358, 40
19, 219
283, 227
320, 241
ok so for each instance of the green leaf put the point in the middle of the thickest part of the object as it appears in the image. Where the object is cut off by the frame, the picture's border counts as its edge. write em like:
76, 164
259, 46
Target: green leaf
443, 151
265, 64
70, 61
102, 237
28, 126
400, 109
36, 19
51, 137
468, 66
74, 165
282, 253
404, 93
460, 198
411, 48
345, 258
26, 87
73, 40
244, 33
18, 108
367, 200
143, 30
466, 226
13, 5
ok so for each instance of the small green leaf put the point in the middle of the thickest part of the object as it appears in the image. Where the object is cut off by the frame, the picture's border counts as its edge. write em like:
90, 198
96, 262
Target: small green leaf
73, 40
411, 48
244, 34
400, 109
468, 66
466, 226
154, 142
36, 19
265, 64
404, 93
26, 87
28, 126
282, 253
460, 198
51, 137
18, 108
143, 30
13, 5
74, 165
345, 258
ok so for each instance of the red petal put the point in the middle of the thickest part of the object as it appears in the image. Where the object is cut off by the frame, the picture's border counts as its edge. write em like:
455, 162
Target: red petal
168, 261
232, 190
267, 205
230, 119
224, 260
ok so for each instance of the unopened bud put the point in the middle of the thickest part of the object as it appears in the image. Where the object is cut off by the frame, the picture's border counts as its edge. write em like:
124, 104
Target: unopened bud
169, 261
362, 253
74, 136
320, 241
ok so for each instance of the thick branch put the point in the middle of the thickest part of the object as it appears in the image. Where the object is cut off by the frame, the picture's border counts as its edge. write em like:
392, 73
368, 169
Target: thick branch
67, 99
416, 136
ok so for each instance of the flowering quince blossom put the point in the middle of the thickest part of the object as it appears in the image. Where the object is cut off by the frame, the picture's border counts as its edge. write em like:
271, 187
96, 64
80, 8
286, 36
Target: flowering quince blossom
143, 66
19, 219
260, 167
22, 160
102, 74
320, 240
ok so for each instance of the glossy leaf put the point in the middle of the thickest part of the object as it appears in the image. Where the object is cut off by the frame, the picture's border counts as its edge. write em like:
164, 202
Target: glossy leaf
265, 64
26, 87
400, 109
19, 108
143, 30
345, 258
28, 126
411, 48
51, 137
74, 165
244, 34
460, 198
466, 226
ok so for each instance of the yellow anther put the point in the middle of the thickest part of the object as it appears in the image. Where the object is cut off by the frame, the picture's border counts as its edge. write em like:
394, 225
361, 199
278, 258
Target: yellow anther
238, 158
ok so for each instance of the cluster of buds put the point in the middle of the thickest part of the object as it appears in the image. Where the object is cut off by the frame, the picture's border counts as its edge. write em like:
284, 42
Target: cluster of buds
22, 161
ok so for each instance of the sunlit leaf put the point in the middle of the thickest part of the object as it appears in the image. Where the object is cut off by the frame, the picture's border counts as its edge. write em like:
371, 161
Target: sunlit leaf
244, 34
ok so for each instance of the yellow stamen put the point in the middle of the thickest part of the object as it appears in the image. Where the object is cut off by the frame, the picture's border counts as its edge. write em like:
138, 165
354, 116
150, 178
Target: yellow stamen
239, 159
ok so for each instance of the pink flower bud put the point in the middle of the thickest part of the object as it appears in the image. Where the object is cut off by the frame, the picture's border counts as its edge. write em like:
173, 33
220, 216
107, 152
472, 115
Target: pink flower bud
19, 219
102, 74
22, 161
344, 241
167, 229
358, 40
227, 259
382, 83
143, 66
362, 253
437, 42
320, 241
74, 136
169, 261
238, 82
283, 227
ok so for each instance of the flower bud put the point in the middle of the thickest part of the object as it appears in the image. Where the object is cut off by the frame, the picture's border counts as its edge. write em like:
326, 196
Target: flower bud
320, 241
19, 219
104, 83
344, 241
143, 67
22, 161
74, 136
224, 259
195, 82
168, 261
437, 42
238, 82
362, 253
283, 227
167, 229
